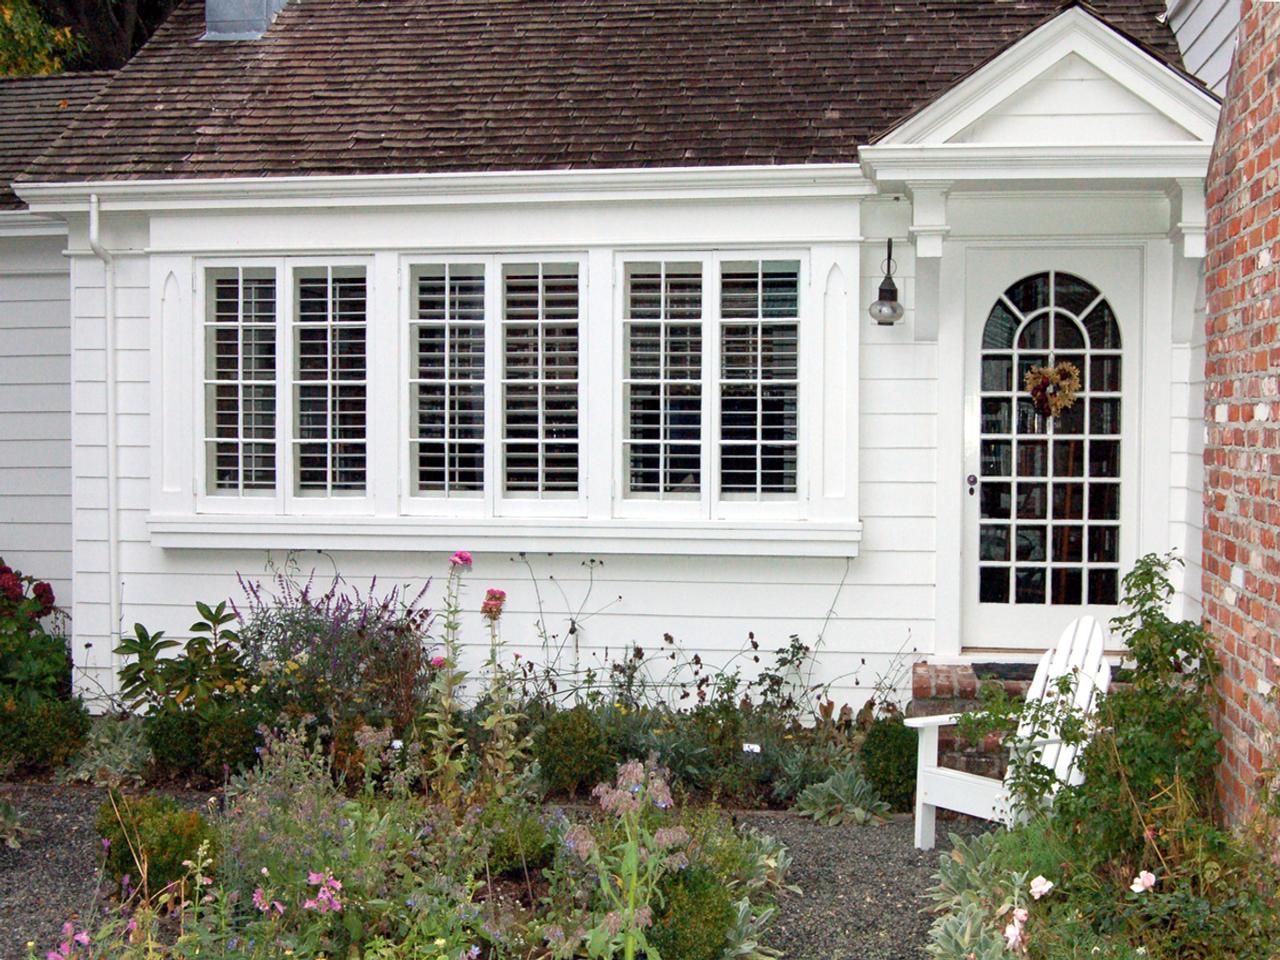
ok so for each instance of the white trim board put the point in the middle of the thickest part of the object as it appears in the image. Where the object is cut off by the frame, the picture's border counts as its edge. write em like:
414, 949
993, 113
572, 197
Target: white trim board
432, 189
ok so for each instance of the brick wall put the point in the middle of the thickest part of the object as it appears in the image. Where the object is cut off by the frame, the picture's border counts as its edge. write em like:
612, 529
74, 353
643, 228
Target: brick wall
1242, 404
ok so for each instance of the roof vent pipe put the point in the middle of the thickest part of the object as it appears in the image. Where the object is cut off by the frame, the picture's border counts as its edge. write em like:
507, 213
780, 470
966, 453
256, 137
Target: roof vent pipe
239, 19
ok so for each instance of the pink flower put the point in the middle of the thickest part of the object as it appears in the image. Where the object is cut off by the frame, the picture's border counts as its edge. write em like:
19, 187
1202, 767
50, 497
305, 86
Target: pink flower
1020, 916
1143, 882
1040, 887
82, 938
438, 662
491, 609
460, 559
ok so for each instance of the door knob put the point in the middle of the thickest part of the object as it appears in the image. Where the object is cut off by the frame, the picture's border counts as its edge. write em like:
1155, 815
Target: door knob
973, 482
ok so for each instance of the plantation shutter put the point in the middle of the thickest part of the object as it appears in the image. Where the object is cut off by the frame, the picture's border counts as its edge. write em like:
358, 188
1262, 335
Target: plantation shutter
330, 381
759, 378
662, 380
540, 303
240, 382
446, 386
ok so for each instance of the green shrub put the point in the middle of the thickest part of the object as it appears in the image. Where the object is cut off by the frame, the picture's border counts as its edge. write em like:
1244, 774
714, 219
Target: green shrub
518, 839
571, 750
41, 735
888, 760
174, 738
149, 838
696, 916
844, 797
229, 738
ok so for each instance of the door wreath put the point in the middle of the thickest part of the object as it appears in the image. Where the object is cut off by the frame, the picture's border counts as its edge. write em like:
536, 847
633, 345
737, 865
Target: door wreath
1053, 389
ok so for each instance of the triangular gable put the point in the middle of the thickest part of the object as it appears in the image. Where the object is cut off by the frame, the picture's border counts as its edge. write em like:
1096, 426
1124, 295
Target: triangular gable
1074, 80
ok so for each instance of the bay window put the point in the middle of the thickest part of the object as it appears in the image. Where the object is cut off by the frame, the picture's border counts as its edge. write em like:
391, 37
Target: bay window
611, 391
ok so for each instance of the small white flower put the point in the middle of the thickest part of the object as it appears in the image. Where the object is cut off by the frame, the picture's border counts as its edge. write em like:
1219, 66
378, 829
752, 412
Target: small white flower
1040, 886
397, 744
1143, 882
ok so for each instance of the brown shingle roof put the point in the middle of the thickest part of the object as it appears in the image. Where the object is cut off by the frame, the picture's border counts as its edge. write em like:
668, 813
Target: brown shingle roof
403, 86
33, 112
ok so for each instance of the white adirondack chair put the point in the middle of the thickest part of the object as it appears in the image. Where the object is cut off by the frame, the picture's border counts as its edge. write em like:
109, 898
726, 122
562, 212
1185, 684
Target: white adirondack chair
1079, 651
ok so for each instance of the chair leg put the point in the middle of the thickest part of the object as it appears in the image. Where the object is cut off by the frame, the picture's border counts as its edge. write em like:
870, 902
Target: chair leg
926, 759
926, 830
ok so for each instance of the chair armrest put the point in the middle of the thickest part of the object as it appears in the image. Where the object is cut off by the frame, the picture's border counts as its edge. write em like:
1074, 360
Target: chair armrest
940, 720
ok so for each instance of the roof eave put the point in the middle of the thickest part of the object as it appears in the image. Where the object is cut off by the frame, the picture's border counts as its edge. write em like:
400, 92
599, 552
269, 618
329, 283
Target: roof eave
433, 189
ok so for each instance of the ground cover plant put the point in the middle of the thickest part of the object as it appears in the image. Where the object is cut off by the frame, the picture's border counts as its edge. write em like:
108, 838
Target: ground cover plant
1132, 862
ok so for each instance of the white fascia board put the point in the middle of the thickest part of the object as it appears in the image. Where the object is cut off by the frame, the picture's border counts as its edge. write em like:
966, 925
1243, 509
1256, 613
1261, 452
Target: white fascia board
1074, 31
434, 189
924, 162
508, 534
22, 223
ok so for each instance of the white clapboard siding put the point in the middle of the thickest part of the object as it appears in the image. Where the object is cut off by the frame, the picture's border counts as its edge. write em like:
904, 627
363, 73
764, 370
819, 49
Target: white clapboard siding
35, 410
1206, 32
867, 615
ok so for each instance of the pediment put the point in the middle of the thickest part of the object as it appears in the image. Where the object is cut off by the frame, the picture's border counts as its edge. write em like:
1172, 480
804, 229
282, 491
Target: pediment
1073, 81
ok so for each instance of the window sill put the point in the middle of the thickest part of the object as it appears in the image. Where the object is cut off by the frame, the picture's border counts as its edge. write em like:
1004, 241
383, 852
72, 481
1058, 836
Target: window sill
771, 538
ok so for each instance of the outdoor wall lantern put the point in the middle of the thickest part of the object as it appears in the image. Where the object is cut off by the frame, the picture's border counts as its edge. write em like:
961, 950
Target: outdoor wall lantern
887, 311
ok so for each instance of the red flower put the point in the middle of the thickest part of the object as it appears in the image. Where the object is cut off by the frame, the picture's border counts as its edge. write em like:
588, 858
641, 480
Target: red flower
10, 586
44, 593
491, 609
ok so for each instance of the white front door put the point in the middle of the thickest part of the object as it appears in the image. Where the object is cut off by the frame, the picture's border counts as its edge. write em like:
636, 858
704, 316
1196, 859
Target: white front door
1051, 502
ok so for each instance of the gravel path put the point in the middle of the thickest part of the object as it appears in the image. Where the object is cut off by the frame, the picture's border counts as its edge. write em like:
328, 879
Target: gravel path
53, 876
862, 888
861, 898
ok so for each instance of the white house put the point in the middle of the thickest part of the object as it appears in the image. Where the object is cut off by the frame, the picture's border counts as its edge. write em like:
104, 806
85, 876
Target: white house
583, 288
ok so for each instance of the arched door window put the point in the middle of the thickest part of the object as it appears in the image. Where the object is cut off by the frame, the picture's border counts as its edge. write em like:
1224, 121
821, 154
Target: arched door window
1049, 497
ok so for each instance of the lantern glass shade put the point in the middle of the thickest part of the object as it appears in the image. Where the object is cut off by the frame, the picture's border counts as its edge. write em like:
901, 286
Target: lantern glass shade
887, 310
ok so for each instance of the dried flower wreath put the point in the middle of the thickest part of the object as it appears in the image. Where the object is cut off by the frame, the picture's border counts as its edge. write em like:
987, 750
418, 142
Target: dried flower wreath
1053, 389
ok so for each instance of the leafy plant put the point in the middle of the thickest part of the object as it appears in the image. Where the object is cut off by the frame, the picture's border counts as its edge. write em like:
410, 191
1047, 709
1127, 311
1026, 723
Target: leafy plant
629, 872
34, 665
210, 666
338, 653
42, 735
696, 917
888, 760
149, 839
571, 749
844, 797
12, 829
115, 752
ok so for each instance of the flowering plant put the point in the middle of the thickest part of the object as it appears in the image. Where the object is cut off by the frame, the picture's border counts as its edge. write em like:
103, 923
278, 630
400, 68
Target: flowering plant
33, 663
1053, 389
629, 873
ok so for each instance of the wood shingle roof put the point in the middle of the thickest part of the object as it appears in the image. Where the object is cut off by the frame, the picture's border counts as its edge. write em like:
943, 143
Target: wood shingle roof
33, 112
411, 86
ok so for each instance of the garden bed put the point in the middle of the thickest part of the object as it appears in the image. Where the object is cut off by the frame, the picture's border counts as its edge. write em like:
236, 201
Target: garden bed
861, 885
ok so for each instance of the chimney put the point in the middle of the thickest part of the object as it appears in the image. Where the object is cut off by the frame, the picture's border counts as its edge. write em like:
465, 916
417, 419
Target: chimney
239, 19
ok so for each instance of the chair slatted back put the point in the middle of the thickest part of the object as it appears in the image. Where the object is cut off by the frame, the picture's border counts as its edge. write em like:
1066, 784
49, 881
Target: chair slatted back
1079, 652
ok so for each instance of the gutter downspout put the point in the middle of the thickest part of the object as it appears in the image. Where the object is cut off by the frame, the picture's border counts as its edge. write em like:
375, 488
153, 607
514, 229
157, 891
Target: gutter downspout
109, 341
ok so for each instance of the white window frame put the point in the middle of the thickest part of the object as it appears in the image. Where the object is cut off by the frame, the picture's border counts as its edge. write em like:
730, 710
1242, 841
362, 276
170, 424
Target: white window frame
822, 519
494, 502
285, 501
711, 505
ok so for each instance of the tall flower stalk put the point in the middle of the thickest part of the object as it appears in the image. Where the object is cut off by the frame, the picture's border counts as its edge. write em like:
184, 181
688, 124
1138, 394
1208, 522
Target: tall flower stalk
446, 760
